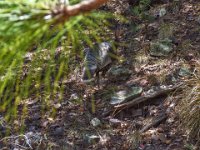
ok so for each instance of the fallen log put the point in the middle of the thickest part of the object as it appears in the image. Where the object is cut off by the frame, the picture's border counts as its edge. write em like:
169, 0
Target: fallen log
141, 99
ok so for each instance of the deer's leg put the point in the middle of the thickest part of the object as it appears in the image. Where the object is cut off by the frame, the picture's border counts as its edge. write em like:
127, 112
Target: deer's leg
105, 69
98, 78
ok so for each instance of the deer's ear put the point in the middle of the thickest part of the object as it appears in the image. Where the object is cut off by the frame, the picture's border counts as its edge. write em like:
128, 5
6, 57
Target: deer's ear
105, 46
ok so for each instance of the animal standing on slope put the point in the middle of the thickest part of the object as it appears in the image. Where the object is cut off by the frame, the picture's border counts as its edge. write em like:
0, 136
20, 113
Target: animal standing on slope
97, 60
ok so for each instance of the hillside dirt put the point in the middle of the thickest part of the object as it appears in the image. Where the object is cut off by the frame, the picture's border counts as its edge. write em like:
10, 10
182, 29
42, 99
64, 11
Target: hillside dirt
153, 123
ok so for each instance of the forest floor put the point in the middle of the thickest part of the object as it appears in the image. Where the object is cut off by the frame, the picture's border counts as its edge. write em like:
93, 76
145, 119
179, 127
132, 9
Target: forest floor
86, 119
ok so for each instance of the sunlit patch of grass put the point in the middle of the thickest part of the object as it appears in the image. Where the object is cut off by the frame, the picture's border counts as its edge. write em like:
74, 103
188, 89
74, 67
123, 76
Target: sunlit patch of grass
185, 45
163, 70
166, 31
141, 58
134, 139
190, 106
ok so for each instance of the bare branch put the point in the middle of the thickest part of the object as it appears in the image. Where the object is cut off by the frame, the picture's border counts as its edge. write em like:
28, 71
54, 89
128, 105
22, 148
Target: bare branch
68, 11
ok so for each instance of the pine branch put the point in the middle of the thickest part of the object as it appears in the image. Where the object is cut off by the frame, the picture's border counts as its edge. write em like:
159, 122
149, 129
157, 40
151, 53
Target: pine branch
67, 11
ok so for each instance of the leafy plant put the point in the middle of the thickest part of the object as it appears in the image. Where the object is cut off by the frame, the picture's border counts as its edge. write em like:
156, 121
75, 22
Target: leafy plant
140, 9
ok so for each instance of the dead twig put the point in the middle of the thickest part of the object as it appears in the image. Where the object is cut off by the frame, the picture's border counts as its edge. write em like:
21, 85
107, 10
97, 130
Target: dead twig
154, 123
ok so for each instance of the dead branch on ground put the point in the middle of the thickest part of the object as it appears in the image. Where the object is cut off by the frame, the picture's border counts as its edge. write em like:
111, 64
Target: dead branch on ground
141, 99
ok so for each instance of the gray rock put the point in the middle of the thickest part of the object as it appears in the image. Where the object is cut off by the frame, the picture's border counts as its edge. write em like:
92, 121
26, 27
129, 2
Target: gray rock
184, 72
91, 139
162, 12
115, 122
118, 73
95, 122
124, 95
74, 96
161, 47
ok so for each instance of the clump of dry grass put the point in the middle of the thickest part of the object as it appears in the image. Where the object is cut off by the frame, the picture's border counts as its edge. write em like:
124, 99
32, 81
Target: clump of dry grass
190, 106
